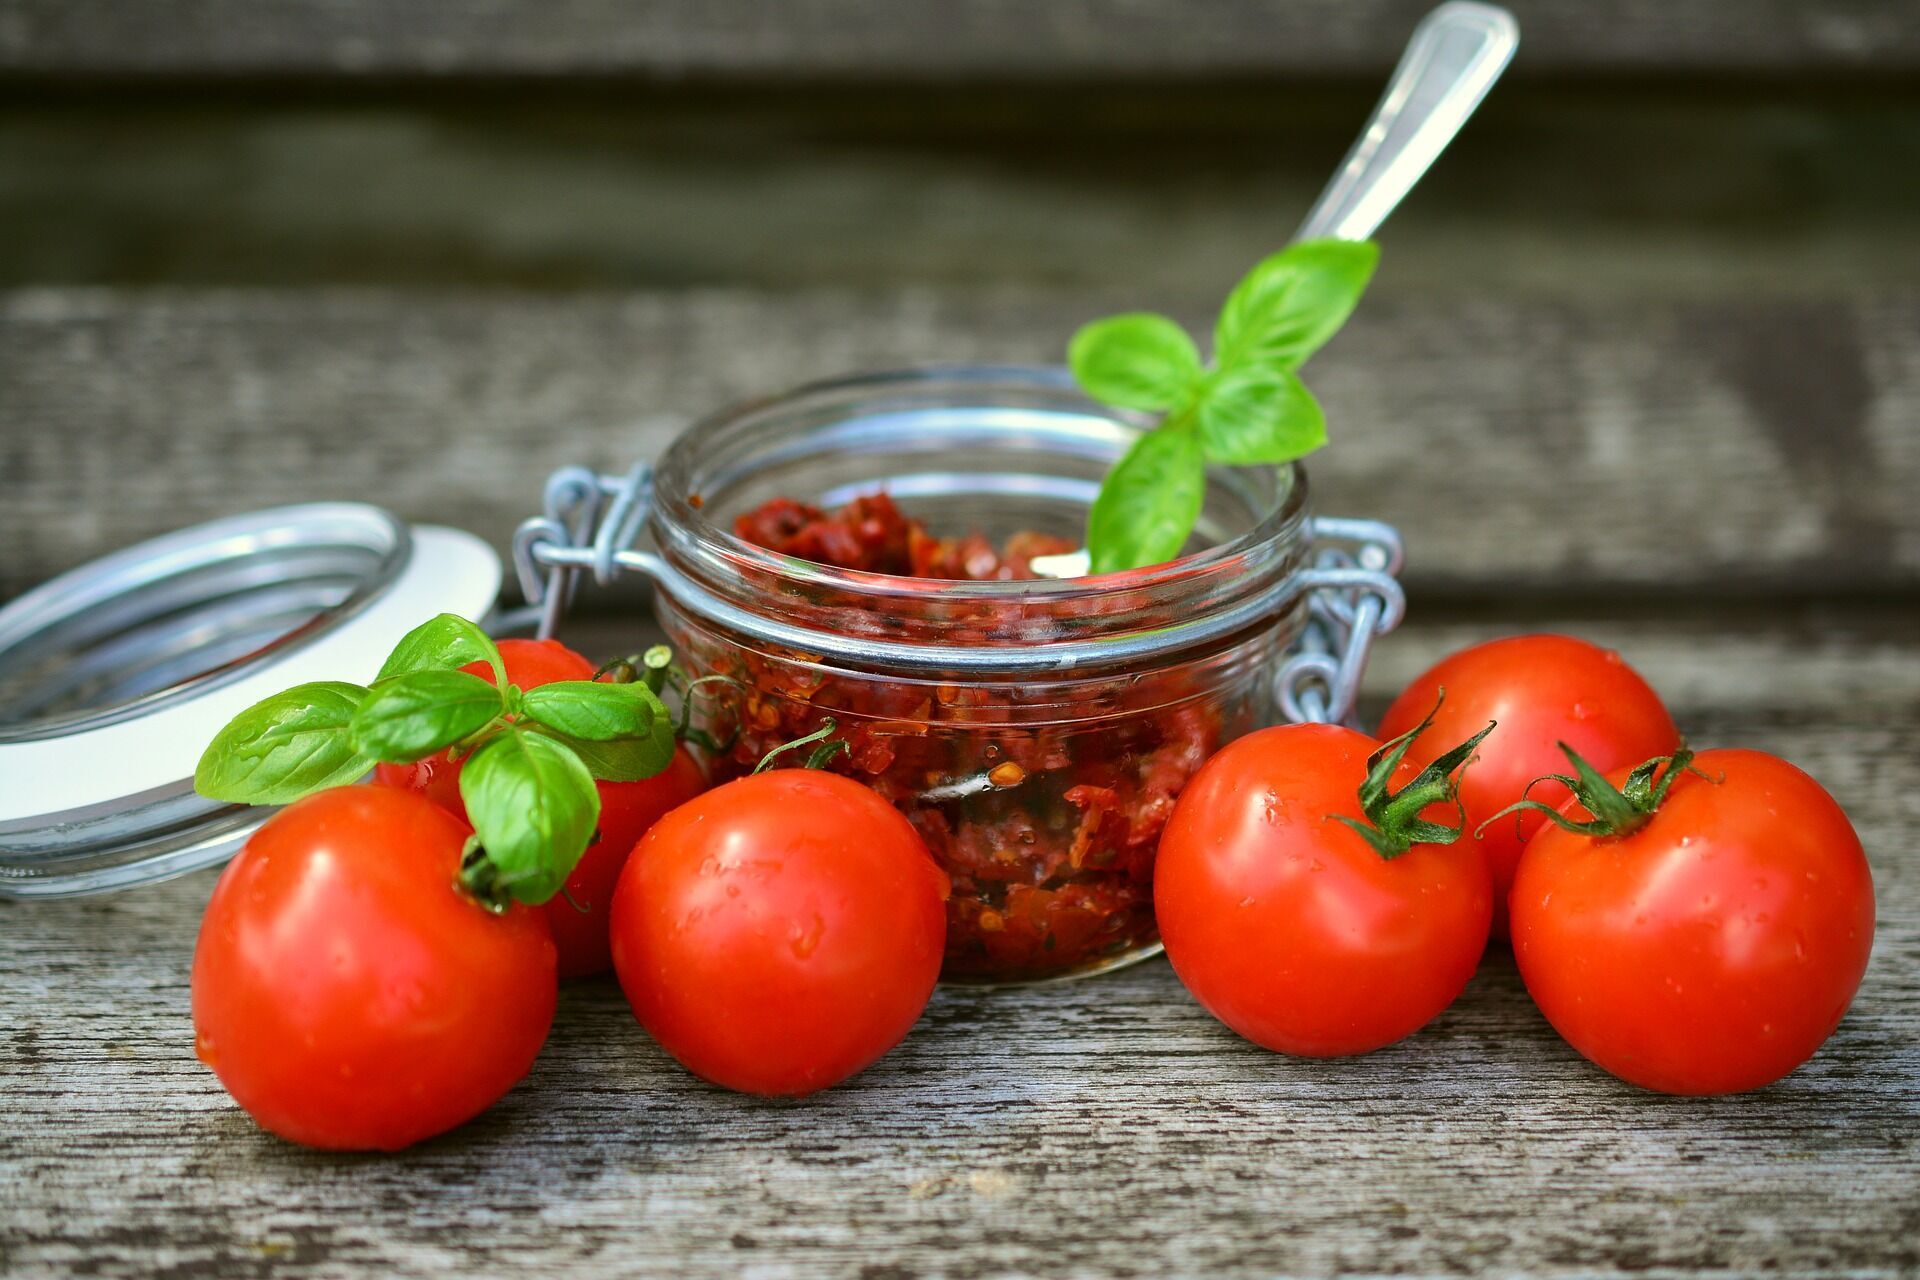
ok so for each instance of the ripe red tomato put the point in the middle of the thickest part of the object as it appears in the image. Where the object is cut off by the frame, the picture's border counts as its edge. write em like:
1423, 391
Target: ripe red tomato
780, 932
1543, 690
1291, 928
1713, 949
627, 809
347, 994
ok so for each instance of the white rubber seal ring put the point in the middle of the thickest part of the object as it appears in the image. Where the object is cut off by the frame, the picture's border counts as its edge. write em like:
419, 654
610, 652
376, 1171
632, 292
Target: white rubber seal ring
449, 571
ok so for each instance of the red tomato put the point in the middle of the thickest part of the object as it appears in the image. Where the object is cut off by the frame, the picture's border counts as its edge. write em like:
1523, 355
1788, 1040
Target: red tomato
1713, 949
780, 932
627, 809
347, 994
1544, 690
1291, 928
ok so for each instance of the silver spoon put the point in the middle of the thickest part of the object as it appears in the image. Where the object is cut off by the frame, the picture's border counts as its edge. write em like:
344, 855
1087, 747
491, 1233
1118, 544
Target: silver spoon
1452, 59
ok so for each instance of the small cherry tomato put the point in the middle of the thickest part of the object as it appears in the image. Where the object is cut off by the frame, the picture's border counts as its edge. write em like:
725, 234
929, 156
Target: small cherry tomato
1291, 927
780, 932
1713, 948
1543, 690
627, 809
347, 994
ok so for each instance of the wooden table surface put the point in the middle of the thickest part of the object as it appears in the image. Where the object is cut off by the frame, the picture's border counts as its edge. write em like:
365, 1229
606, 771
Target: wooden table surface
1642, 363
1104, 1127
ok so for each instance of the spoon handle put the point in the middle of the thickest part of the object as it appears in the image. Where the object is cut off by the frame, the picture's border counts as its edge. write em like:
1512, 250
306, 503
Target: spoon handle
1453, 58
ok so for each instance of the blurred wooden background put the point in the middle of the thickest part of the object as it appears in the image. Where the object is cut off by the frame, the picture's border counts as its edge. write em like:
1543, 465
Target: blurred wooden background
1650, 326
1642, 362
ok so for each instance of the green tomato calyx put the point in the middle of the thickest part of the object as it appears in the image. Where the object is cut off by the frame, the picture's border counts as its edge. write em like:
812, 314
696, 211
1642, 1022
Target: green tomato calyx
1617, 811
1393, 822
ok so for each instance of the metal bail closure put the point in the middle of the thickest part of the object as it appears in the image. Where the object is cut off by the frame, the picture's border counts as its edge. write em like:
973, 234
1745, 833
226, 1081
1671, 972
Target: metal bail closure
1353, 597
592, 522
115, 676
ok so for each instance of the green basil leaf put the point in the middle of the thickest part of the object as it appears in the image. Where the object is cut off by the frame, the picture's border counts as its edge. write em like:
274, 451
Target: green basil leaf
294, 743
1136, 361
534, 807
623, 759
1258, 413
411, 716
594, 710
444, 643
1291, 303
1148, 503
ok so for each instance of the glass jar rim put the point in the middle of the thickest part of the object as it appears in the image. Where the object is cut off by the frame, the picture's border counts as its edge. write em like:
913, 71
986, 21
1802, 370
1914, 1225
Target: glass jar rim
679, 515
983, 432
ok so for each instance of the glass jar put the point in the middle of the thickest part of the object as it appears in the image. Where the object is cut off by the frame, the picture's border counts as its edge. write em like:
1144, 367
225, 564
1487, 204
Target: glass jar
1036, 733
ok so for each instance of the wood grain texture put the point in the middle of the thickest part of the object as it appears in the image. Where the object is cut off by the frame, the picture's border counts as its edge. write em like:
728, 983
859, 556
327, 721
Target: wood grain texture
1595, 190
813, 39
1102, 1128
1521, 444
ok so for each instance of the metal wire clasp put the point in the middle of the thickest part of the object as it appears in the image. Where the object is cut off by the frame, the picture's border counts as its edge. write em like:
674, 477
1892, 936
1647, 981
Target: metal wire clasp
586, 521
1353, 597
591, 522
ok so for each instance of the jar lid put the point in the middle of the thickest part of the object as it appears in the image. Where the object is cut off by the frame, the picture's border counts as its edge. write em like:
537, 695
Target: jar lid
115, 675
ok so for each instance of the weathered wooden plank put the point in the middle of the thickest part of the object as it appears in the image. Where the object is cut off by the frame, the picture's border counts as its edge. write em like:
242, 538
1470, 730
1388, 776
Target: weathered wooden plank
1524, 445
812, 39
1102, 1128
1659, 192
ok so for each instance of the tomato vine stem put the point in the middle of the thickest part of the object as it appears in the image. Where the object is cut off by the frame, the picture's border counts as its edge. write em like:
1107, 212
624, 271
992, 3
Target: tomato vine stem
821, 755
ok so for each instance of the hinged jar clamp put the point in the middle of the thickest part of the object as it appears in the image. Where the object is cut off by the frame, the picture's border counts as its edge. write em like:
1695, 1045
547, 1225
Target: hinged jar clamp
1342, 570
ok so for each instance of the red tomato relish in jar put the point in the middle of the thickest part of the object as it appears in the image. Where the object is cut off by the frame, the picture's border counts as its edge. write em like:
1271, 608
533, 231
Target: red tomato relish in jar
1048, 832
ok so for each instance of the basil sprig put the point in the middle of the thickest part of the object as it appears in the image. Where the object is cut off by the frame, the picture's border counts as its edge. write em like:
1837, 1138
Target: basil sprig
1247, 407
531, 756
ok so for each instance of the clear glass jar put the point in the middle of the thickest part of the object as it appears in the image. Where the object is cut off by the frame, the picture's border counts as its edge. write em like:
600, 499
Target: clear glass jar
1036, 733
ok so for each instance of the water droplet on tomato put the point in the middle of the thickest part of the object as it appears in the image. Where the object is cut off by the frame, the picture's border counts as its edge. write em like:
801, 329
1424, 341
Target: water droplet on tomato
807, 937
